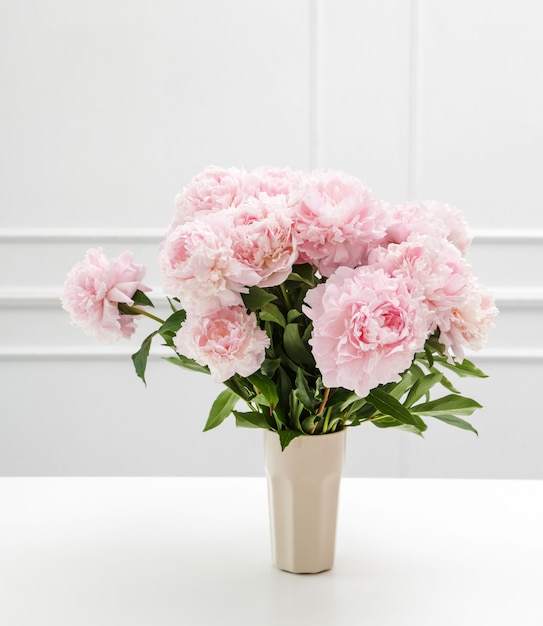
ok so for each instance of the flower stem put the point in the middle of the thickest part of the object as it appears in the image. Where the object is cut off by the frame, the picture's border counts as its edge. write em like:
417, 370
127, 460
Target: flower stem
285, 296
132, 310
326, 419
324, 400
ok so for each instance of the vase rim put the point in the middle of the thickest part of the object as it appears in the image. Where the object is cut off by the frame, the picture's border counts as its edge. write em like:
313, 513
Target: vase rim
306, 435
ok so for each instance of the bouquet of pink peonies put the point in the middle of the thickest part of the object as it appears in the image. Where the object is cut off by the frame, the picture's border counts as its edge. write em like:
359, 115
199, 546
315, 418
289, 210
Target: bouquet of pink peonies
314, 302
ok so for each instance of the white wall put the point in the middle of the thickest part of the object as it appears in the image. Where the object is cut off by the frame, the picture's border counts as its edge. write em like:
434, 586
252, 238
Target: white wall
109, 107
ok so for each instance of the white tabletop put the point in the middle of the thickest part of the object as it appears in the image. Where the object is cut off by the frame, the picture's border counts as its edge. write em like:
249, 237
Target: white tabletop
195, 551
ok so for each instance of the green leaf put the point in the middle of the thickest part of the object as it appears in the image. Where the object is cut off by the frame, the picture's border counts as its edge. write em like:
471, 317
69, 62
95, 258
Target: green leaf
303, 391
284, 388
445, 382
361, 411
140, 357
141, 299
333, 424
388, 405
386, 422
172, 305
303, 273
429, 355
265, 386
271, 313
390, 422
257, 298
238, 385
251, 419
269, 366
343, 397
285, 360
308, 425
435, 345
295, 348
295, 411
421, 387
453, 420
173, 323
293, 314
448, 404
186, 363
464, 369
286, 436
411, 429
409, 377
261, 400
221, 408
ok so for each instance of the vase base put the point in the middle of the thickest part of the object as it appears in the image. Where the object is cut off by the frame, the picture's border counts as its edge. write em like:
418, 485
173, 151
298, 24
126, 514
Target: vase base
303, 571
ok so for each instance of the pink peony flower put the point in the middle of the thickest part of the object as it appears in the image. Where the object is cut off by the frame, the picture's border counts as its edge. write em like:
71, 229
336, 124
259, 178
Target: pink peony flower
210, 260
212, 190
275, 181
94, 288
470, 321
429, 266
262, 239
197, 266
228, 341
367, 327
429, 218
337, 220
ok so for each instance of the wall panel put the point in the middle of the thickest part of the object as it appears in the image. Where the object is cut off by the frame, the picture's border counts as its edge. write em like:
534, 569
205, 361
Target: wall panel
110, 107
364, 88
479, 103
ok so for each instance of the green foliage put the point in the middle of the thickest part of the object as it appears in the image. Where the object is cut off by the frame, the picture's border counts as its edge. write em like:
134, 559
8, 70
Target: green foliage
141, 299
271, 313
252, 419
257, 298
172, 324
388, 406
287, 394
189, 364
220, 409
296, 349
167, 331
287, 435
140, 357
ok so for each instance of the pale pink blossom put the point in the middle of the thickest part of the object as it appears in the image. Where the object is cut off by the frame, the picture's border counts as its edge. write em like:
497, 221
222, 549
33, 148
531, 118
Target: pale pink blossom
227, 340
275, 181
337, 221
214, 189
95, 287
367, 327
430, 266
436, 219
261, 233
197, 265
470, 321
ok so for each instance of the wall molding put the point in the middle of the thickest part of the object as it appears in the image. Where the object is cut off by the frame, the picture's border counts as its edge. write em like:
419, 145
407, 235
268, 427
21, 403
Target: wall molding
107, 353
35, 297
153, 235
80, 235
67, 353
507, 235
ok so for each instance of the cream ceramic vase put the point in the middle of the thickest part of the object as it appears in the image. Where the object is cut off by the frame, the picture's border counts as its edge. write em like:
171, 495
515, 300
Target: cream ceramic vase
303, 492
